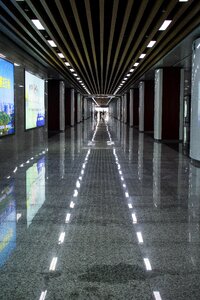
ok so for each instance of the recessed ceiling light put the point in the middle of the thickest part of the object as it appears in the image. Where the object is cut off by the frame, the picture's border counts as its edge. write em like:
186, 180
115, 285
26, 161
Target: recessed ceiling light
165, 25
131, 70
52, 43
75, 74
37, 23
151, 44
125, 78
78, 78
67, 64
142, 55
136, 64
123, 81
72, 70
128, 75
61, 55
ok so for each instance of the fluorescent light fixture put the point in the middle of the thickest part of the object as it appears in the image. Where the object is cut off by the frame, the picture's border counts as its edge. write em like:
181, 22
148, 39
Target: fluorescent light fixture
16, 64
82, 172
37, 23
78, 184
151, 44
67, 218
136, 64
124, 185
72, 204
126, 194
61, 238
120, 172
75, 193
123, 81
130, 205
122, 178
125, 78
131, 70
43, 295
142, 55
134, 218
128, 74
53, 264
165, 25
140, 238
147, 264
61, 55
2, 55
72, 70
67, 64
8, 177
15, 170
75, 74
28, 162
51, 42
21, 166
157, 295
18, 216
78, 78
183, 0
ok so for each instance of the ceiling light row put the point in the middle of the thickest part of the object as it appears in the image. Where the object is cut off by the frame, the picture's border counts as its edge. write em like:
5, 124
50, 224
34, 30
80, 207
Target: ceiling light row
164, 26
39, 26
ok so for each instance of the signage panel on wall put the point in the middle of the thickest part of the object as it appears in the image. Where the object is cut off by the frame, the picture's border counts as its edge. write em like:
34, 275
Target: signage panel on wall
34, 101
7, 107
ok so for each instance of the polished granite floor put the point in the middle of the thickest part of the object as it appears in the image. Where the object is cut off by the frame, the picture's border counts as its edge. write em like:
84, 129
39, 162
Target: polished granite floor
99, 212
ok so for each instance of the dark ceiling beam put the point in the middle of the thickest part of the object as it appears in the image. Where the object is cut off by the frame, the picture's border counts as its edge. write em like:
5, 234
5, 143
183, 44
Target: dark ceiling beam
21, 29
112, 31
134, 51
185, 26
101, 22
78, 68
91, 33
120, 40
81, 34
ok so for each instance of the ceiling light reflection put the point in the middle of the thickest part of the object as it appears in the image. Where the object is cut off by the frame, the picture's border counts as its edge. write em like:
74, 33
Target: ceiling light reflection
157, 295
43, 295
140, 238
134, 218
67, 218
61, 238
147, 264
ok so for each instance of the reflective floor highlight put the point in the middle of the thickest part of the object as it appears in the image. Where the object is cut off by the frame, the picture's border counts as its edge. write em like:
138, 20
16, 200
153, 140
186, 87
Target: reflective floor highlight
99, 212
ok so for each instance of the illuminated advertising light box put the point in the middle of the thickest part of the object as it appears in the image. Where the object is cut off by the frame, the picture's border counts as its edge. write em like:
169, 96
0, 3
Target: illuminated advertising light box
35, 189
7, 107
7, 223
34, 101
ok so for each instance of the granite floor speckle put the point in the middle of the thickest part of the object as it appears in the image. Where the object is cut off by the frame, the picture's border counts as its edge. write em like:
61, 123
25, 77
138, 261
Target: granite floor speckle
99, 212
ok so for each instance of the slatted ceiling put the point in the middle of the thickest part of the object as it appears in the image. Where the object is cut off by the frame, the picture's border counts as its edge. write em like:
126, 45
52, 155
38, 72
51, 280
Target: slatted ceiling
100, 38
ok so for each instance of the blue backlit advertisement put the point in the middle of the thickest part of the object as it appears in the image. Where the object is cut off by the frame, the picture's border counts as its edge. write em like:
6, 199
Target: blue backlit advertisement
35, 189
34, 101
7, 224
7, 109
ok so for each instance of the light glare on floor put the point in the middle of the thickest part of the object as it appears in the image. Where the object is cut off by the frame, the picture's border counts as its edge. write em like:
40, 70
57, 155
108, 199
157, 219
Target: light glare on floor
61, 238
157, 295
134, 218
67, 218
43, 295
140, 238
53, 264
147, 264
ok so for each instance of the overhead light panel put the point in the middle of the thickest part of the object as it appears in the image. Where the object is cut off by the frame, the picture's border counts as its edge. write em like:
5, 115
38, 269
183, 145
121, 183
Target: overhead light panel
151, 44
51, 42
72, 70
16, 65
136, 64
75, 74
165, 25
37, 23
142, 55
131, 70
67, 64
61, 55
128, 75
